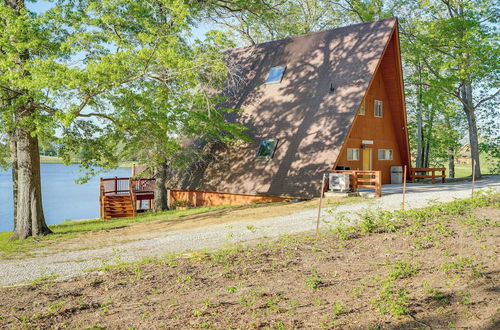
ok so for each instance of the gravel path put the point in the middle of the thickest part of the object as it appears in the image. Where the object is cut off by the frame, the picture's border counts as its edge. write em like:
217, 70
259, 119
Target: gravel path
70, 264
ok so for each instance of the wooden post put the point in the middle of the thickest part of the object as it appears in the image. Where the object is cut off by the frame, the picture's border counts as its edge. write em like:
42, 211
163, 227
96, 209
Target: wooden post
101, 200
404, 187
321, 193
473, 178
354, 181
378, 183
433, 176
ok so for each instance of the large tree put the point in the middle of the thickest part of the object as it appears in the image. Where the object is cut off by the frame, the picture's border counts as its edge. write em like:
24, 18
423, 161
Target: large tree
278, 19
165, 121
456, 41
23, 43
70, 69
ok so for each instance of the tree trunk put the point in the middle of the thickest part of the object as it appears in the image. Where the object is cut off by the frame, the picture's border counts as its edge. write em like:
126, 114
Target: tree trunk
160, 201
420, 139
425, 159
466, 91
420, 135
427, 144
29, 212
451, 149
451, 162
13, 153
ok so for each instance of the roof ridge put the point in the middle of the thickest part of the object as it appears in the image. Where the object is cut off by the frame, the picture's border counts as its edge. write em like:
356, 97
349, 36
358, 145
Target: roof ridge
394, 18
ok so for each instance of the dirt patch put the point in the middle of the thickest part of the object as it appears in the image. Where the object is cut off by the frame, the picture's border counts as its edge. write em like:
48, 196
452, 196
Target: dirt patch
491, 213
436, 273
240, 213
116, 236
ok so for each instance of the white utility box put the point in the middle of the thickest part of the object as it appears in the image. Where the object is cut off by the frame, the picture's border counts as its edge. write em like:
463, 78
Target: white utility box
396, 174
339, 182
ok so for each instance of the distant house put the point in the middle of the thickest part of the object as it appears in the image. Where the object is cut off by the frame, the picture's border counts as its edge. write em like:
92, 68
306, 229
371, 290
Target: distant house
464, 155
311, 103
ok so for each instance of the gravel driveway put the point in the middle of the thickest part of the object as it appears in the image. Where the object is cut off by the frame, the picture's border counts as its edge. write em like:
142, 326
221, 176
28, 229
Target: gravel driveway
69, 264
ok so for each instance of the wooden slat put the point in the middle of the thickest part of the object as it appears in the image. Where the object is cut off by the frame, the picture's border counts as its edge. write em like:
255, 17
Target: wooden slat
360, 178
429, 176
373, 180
427, 169
432, 175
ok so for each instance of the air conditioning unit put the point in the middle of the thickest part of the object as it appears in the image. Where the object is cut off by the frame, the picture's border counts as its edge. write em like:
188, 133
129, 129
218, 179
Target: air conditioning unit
339, 182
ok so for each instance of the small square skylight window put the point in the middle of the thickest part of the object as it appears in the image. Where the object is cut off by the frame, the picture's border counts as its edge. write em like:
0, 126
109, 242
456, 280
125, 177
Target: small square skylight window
275, 75
266, 149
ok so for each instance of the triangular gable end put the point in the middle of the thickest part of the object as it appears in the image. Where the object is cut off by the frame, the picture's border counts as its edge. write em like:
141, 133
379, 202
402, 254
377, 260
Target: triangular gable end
380, 142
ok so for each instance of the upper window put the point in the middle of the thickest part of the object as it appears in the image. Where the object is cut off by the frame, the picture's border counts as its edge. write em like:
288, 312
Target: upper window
362, 110
379, 112
352, 154
385, 154
275, 75
266, 149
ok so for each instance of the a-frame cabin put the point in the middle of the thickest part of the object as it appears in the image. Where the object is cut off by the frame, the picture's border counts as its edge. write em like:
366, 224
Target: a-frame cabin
311, 103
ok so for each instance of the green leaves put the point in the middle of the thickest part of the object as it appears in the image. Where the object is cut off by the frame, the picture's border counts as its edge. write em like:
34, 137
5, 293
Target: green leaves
114, 79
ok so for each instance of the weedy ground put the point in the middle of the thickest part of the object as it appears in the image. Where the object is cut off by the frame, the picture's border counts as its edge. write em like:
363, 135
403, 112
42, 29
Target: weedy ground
435, 267
70, 229
79, 235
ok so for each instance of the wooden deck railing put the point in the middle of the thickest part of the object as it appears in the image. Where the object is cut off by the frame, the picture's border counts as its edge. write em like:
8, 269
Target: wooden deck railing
137, 189
114, 186
142, 185
364, 179
414, 173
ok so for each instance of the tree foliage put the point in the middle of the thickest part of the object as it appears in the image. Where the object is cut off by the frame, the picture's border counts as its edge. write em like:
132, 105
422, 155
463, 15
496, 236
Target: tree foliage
454, 49
102, 74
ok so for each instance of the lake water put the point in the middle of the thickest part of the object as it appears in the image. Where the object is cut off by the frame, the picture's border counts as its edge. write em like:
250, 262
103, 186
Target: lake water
62, 197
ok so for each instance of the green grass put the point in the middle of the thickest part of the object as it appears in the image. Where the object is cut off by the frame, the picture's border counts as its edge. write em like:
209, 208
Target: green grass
58, 160
50, 160
70, 229
465, 170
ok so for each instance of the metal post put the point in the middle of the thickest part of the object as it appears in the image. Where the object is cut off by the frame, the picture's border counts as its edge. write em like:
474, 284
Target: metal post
404, 187
321, 193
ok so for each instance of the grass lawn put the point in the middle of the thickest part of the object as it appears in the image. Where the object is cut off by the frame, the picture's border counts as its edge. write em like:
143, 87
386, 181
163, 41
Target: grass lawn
58, 160
69, 229
461, 170
465, 170
430, 268
50, 160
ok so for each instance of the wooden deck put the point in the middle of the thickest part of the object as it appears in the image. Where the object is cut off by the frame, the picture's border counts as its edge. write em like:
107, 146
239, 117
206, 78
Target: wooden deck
123, 197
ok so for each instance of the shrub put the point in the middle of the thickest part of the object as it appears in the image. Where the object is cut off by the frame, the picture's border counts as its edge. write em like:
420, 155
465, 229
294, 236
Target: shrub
314, 280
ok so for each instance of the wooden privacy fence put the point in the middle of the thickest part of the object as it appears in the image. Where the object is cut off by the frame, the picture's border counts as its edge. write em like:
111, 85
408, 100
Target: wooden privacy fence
364, 179
416, 173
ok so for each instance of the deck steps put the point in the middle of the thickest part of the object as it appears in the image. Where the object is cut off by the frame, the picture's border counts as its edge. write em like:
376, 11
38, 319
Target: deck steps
117, 207
118, 197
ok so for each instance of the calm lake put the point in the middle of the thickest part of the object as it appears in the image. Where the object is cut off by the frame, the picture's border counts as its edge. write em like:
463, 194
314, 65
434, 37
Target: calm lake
62, 197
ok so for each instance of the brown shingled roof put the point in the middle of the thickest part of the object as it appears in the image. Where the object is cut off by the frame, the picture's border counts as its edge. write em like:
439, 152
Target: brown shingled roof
310, 121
